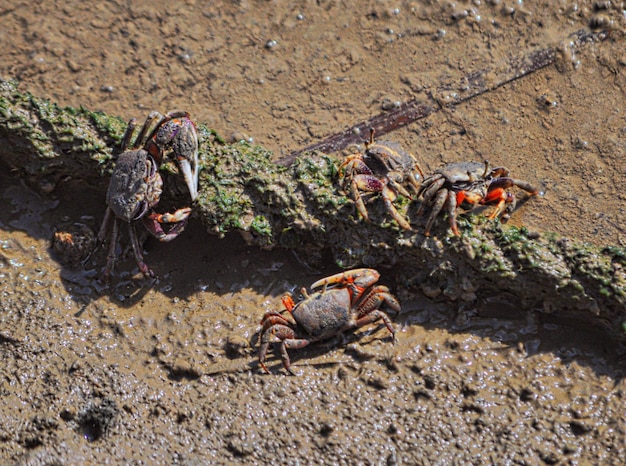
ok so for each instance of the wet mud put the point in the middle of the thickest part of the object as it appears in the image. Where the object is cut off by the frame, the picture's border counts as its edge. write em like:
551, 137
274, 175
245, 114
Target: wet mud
166, 371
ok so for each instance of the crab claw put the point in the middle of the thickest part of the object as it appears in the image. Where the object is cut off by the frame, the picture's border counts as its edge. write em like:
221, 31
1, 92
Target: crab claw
362, 278
185, 147
178, 131
189, 169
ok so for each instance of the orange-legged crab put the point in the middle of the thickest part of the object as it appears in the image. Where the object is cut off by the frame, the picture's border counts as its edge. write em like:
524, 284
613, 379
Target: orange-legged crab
346, 301
136, 185
472, 183
383, 168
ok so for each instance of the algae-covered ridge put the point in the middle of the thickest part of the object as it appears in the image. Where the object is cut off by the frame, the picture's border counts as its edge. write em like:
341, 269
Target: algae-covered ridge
301, 208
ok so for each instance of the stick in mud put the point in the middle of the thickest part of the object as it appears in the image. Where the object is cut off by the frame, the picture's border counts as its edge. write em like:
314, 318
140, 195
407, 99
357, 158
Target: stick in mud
470, 86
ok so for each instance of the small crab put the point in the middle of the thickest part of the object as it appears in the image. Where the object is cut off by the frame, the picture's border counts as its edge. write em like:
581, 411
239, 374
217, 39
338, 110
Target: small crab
346, 301
383, 168
74, 244
136, 185
470, 182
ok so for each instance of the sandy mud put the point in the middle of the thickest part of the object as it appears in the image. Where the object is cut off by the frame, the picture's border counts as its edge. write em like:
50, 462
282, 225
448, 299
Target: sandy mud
165, 371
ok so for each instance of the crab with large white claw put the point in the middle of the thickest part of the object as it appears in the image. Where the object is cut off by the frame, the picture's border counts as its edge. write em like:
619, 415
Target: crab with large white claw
136, 185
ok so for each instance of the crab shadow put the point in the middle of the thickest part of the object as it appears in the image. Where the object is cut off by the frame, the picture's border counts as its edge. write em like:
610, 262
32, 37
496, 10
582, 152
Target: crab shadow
570, 340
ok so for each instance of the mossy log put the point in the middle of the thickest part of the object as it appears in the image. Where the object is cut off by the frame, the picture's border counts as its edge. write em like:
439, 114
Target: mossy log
301, 208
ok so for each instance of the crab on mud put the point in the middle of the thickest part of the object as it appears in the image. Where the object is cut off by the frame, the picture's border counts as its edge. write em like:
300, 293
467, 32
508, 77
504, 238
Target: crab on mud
383, 168
346, 300
74, 245
136, 185
472, 183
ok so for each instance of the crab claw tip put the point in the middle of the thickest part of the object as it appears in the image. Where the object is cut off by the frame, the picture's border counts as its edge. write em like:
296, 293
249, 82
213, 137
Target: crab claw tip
190, 174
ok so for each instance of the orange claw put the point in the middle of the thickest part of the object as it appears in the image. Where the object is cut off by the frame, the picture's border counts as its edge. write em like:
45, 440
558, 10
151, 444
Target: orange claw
359, 277
288, 302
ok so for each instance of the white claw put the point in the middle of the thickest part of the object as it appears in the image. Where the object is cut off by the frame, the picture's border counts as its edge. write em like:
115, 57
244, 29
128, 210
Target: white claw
190, 173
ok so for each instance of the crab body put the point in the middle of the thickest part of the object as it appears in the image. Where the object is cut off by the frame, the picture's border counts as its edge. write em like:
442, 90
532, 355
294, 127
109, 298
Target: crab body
136, 185
470, 183
383, 168
346, 301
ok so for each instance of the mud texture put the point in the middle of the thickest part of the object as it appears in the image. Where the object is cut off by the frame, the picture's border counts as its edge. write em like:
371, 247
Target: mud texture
496, 360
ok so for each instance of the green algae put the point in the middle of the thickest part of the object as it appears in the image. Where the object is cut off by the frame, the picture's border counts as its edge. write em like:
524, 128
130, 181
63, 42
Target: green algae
42, 138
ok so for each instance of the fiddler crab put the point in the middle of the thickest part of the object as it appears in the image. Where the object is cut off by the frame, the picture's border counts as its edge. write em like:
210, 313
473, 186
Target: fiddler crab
472, 183
345, 301
383, 168
136, 185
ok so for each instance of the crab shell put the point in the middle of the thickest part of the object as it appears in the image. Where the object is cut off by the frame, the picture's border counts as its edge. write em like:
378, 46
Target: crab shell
324, 314
461, 172
388, 158
135, 185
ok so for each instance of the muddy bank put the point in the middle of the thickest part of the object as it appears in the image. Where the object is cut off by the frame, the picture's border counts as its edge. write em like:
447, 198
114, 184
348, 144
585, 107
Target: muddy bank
303, 208
166, 372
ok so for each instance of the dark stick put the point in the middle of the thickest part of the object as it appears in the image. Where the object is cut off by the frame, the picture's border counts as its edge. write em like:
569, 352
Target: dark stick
472, 85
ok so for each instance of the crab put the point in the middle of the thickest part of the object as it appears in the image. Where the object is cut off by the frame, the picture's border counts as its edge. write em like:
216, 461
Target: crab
383, 168
73, 245
345, 301
472, 183
136, 185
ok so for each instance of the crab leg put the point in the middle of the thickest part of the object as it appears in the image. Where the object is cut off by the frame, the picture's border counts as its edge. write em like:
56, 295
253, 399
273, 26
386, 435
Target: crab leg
388, 197
501, 197
272, 318
375, 316
375, 297
369, 312
286, 337
451, 204
498, 194
128, 134
102, 233
399, 188
108, 270
134, 241
438, 203
430, 187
